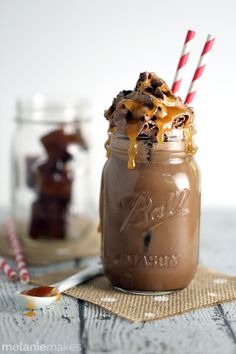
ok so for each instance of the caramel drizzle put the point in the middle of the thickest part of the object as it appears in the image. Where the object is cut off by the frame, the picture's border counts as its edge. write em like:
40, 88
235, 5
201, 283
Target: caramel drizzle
107, 143
160, 111
30, 307
164, 115
132, 133
189, 137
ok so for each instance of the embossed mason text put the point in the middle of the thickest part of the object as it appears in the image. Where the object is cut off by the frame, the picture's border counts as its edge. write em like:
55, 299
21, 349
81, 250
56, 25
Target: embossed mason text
159, 261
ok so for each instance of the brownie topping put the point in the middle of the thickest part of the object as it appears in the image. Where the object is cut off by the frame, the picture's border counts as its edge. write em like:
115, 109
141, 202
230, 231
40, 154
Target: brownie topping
150, 110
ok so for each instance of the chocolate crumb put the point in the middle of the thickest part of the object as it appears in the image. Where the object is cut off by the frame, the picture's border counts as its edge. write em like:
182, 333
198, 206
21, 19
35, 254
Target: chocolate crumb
158, 93
147, 239
149, 106
129, 115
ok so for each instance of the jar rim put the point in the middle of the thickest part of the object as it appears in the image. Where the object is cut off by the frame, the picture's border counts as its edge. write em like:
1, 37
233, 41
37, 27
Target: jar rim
119, 145
175, 136
50, 110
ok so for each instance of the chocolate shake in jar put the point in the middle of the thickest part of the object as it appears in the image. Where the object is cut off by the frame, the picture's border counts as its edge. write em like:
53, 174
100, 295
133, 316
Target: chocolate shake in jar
150, 191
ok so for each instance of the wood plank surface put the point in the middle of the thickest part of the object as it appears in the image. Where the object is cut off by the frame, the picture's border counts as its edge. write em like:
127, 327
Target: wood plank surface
205, 331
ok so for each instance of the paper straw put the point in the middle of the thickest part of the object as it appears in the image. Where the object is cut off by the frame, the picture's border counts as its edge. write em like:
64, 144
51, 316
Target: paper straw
7, 270
16, 248
183, 61
200, 68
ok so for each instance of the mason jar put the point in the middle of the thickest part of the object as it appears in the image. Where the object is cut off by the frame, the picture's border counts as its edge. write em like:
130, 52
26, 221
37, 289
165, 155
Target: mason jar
150, 215
51, 198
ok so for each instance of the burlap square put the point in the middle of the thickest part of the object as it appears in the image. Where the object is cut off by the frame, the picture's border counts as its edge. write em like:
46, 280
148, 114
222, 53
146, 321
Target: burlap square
208, 288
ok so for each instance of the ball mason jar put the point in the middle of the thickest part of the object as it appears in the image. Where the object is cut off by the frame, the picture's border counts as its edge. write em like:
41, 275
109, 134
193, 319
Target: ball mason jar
51, 197
150, 216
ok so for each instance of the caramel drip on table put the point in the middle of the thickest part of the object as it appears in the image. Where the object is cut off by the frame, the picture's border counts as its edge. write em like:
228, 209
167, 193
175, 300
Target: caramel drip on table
31, 312
58, 296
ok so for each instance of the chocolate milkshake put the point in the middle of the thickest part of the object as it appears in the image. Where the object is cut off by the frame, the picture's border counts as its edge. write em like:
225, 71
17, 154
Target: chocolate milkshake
150, 193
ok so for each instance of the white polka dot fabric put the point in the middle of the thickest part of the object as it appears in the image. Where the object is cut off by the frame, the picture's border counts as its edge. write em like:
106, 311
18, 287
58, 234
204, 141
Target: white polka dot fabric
208, 288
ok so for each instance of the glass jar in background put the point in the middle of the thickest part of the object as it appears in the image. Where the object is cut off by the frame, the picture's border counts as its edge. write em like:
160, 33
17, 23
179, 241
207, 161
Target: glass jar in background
51, 191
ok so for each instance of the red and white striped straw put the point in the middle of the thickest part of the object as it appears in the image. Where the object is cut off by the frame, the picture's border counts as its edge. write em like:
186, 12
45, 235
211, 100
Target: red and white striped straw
16, 248
200, 68
7, 270
183, 61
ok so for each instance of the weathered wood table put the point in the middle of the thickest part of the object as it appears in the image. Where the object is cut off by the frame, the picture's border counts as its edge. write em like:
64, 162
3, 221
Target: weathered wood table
77, 326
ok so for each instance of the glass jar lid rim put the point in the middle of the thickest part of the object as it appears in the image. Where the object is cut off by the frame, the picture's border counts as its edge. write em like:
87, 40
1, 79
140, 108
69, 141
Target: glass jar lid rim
43, 108
174, 135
